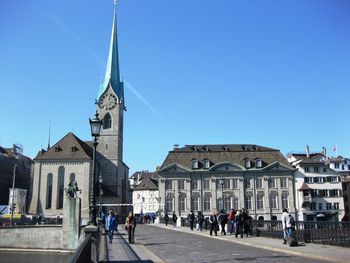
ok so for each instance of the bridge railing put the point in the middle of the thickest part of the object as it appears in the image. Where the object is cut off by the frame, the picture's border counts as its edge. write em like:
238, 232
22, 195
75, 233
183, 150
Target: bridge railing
83, 253
328, 233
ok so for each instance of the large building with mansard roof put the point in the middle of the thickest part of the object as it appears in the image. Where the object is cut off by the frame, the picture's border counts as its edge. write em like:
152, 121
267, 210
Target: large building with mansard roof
214, 177
71, 158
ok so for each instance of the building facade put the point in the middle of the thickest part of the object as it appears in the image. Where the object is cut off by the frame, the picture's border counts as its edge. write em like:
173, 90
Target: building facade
319, 195
215, 177
72, 159
22, 175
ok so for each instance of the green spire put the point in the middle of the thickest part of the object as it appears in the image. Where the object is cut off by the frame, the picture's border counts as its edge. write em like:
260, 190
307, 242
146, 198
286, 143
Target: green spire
112, 76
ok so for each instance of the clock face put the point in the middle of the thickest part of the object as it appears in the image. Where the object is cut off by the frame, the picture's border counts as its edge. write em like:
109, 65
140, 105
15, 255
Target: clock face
108, 101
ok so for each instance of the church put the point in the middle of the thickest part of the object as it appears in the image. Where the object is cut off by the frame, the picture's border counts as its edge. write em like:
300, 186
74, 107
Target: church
72, 158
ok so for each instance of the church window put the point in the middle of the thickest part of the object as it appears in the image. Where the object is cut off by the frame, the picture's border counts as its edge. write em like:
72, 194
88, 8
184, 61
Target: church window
49, 191
107, 121
72, 177
60, 187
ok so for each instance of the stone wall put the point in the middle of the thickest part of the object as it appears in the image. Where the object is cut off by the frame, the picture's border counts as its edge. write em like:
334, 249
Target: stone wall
32, 237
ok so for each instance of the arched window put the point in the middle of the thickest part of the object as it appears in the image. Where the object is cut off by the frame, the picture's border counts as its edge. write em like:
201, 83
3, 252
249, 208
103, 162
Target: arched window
60, 186
72, 177
49, 191
107, 121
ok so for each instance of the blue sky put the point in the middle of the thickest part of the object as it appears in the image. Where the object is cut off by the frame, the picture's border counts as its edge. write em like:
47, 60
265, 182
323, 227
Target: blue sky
272, 73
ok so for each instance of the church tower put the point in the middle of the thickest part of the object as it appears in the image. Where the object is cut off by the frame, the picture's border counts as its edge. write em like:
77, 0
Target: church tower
110, 107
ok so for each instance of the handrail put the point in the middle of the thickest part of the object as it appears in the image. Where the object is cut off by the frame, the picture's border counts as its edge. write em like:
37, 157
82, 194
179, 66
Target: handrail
83, 253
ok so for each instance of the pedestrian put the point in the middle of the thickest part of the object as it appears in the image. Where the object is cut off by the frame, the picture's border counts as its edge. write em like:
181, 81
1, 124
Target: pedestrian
130, 225
190, 219
166, 218
245, 222
200, 220
286, 225
231, 217
213, 220
239, 224
110, 225
174, 219
222, 219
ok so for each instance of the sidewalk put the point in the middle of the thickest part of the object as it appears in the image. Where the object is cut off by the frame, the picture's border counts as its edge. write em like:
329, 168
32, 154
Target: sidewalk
121, 251
310, 250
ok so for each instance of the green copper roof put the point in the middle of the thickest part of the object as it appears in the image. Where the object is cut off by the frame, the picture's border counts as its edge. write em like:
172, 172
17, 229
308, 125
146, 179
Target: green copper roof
112, 76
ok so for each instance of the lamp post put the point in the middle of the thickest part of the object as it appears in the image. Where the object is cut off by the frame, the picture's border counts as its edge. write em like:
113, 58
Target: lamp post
15, 152
100, 193
95, 125
222, 182
179, 195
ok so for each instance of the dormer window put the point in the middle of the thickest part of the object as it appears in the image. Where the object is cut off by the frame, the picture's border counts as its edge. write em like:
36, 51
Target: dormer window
206, 163
224, 148
74, 149
258, 163
247, 163
205, 148
194, 163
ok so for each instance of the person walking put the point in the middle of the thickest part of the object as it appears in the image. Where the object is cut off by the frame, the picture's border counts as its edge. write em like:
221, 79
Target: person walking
110, 225
166, 218
200, 220
231, 217
213, 220
130, 225
174, 219
239, 224
190, 219
222, 219
286, 225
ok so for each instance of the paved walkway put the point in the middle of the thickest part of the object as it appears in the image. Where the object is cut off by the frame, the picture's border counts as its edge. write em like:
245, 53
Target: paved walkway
121, 251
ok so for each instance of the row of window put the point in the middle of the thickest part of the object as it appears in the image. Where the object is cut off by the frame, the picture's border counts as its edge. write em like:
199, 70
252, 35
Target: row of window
337, 166
227, 203
196, 164
328, 206
60, 188
229, 183
315, 169
323, 179
324, 193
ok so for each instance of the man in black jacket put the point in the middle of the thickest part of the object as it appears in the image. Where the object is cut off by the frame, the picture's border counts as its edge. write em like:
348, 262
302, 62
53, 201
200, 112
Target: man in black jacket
190, 219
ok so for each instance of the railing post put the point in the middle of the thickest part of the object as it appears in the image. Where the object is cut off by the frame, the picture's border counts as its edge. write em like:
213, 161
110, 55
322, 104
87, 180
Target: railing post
93, 230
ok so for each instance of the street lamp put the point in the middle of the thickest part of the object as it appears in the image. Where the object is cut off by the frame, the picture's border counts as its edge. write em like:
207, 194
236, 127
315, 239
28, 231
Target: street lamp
15, 152
95, 125
179, 195
222, 182
100, 193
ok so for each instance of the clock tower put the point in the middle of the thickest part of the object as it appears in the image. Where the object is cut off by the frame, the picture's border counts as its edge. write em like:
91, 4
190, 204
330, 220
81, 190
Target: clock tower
110, 107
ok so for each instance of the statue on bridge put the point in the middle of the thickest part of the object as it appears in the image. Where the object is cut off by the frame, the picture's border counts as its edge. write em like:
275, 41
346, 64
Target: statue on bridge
72, 189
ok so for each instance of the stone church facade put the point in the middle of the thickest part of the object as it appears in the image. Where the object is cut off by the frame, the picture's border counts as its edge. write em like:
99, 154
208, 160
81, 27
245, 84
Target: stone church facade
214, 177
71, 158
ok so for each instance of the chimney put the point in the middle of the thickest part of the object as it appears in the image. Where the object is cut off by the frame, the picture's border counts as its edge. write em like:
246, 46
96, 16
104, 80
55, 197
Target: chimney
307, 151
176, 146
